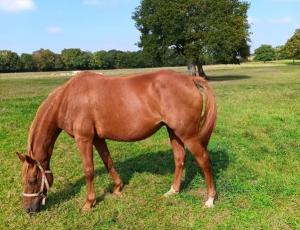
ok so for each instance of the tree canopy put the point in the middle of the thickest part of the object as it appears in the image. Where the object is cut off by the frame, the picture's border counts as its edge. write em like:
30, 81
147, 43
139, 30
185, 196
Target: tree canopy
76, 59
9, 61
265, 53
46, 60
198, 29
292, 46
28, 63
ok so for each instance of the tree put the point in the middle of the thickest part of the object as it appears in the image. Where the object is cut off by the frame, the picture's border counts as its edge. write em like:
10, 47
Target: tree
244, 49
122, 60
171, 58
197, 29
75, 59
28, 63
45, 59
9, 61
281, 53
265, 53
118, 59
242, 53
58, 64
136, 59
98, 59
109, 59
292, 46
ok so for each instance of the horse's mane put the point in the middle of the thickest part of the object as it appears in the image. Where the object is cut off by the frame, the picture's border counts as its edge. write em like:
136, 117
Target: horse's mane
41, 114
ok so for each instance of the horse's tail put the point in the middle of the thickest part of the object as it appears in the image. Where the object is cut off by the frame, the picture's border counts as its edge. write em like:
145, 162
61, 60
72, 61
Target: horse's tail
209, 110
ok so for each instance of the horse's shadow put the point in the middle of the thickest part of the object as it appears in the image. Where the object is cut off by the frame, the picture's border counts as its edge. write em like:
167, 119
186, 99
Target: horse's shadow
159, 163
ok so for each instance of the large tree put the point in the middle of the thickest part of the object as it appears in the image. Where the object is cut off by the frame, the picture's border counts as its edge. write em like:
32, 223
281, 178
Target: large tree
46, 60
281, 53
292, 47
76, 59
28, 62
265, 53
9, 61
196, 29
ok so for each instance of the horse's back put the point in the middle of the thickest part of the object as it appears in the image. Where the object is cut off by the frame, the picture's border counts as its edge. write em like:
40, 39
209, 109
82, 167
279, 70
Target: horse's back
127, 108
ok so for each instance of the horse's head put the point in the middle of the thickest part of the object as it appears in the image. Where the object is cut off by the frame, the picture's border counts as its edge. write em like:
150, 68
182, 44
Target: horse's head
36, 183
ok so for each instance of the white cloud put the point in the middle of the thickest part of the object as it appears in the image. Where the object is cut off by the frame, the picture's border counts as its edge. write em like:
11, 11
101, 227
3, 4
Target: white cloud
53, 30
284, 20
16, 5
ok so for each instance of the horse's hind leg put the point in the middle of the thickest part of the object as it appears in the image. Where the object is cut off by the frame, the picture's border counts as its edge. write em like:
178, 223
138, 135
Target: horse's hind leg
201, 155
85, 147
103, 151
179, 157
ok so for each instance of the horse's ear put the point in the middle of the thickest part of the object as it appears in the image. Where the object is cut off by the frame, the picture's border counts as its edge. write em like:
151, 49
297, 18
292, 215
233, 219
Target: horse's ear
29, 160
21, 156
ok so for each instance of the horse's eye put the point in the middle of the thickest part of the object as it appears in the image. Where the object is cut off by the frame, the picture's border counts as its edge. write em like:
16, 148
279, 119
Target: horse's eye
32, 180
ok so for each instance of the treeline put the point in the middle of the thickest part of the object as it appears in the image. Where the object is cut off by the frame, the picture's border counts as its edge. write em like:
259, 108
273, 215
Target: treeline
268, 53
76, 59
291, 50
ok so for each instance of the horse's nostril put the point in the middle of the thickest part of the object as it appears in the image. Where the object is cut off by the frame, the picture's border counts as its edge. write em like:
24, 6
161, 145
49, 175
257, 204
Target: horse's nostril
35, 209
31, 210
28, 210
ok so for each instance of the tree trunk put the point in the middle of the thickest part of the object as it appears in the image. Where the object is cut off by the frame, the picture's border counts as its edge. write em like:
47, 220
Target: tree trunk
201, 72
192, 69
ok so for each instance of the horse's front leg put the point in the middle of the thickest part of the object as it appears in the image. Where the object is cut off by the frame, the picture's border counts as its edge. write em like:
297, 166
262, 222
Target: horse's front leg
85, 146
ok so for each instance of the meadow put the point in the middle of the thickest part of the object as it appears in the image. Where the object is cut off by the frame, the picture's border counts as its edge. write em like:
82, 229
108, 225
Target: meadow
255, 152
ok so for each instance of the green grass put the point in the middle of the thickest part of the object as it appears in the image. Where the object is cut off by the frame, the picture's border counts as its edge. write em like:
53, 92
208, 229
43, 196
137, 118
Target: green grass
255, 150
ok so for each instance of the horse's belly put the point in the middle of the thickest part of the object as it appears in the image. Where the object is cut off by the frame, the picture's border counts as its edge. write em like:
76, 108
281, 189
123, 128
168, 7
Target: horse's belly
133, 130
132, 115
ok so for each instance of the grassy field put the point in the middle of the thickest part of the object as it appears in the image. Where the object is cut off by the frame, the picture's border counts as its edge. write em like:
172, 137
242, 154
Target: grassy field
255, 150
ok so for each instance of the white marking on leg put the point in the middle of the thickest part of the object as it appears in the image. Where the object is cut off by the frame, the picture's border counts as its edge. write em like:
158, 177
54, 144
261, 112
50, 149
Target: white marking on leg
170, 192
210, 202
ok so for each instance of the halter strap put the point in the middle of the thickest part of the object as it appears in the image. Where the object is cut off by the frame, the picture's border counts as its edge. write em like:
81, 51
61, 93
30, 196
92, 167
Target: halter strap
44, 184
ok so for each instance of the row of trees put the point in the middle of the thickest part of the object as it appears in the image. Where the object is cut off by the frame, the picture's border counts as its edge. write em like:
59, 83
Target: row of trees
76, 59
291, 50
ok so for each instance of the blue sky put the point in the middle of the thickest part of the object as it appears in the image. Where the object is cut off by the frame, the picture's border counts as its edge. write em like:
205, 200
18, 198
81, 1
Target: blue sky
27, 25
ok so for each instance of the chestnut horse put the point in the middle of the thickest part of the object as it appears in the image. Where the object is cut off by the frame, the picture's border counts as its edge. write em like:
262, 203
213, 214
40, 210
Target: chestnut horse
92, 108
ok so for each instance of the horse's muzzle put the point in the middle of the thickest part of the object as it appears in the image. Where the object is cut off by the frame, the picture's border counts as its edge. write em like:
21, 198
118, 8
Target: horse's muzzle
32, 209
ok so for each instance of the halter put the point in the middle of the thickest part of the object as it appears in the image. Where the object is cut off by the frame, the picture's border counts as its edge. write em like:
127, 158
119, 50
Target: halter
44, 184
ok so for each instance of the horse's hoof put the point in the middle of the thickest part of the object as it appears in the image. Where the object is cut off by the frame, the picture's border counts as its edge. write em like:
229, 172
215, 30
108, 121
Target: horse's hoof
88, 206
117, 190
170, 192
210, 202
117, 193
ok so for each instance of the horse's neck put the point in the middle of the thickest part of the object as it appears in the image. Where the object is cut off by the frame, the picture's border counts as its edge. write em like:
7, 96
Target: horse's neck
43, 134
